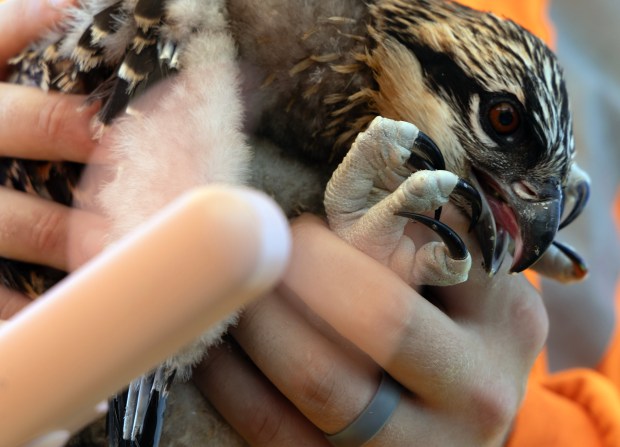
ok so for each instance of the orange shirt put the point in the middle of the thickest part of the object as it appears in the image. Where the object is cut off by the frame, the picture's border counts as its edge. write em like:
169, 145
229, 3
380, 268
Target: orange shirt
531, 14
577, 407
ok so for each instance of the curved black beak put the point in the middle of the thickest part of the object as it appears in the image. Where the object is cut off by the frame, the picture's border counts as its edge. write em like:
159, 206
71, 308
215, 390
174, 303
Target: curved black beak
529, 214
537, 211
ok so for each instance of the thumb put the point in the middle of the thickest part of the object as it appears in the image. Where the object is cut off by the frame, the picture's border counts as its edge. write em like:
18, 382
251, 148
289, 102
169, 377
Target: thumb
140, 301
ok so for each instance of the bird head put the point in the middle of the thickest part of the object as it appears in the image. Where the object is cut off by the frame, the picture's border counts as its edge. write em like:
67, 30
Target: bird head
493, 98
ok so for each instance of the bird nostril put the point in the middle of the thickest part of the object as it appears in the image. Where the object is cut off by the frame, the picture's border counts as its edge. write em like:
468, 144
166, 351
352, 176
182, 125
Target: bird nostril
524, 190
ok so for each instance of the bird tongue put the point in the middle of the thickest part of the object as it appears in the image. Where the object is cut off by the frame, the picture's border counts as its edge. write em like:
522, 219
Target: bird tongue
506, 219
530, 223
504, 216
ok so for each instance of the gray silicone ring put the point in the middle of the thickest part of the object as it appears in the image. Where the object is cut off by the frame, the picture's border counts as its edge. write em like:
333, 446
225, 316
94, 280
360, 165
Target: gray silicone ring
372, 419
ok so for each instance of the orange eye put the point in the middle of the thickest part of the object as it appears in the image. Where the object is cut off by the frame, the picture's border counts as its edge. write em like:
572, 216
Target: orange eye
504, 118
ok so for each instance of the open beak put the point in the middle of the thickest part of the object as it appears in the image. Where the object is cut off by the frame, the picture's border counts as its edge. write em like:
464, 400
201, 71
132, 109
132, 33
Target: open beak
527, 213
538, 220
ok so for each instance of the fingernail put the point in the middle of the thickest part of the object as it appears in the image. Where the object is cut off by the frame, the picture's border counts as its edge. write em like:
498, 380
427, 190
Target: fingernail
101, 408
87, 417
275, 239
53, 439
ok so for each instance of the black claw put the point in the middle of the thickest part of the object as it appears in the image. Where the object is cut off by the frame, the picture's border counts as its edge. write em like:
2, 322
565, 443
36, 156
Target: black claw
580, 268
417, 163
455, 245
466, 190
583, 194
425, 155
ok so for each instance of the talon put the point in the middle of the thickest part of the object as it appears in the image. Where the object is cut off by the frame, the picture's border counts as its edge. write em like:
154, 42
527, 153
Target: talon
438, 213
580, 268
494, 240
466, 190
416, 163
455, 245
582, 191
425, 155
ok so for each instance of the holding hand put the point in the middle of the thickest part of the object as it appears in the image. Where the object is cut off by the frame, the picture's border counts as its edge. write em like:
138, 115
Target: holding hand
308, 358
41, 126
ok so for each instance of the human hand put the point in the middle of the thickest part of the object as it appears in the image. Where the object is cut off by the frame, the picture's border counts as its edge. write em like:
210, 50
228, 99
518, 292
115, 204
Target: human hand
159, 273
307, 359
42, 126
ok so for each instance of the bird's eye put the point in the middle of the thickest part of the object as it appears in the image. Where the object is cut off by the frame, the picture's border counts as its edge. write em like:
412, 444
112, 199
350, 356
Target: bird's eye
504, 118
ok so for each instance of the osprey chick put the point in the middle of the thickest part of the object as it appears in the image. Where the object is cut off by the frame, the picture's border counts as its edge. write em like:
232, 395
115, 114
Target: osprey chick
436, 102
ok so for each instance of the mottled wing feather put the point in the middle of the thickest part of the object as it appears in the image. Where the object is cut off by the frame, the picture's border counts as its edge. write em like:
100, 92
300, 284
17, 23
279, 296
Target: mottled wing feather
29, 279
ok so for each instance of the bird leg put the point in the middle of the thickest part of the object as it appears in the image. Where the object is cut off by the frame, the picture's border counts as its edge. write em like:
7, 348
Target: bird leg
373, 193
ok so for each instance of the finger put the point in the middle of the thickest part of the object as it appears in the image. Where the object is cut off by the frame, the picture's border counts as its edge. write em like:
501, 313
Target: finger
245, 231
370, 306
443, 362
250, 403
22, 21
45, 126
329, 385
263, 417
504, 307
505, 312
43, 232
11, 302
